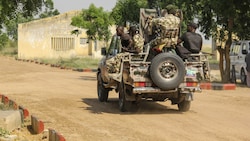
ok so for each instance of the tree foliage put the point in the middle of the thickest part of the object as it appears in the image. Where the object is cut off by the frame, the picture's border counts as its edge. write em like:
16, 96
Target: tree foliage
127, 11
49, 10
96, 21
8, 9
3, 40
15, 12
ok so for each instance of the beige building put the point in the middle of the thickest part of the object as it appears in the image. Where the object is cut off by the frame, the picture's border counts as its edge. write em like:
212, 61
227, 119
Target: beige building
51, 38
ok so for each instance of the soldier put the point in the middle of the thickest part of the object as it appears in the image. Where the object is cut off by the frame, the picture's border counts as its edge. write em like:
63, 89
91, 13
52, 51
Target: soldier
138, 40
131, 43
126, 39
168, 27
192, 42
168, 30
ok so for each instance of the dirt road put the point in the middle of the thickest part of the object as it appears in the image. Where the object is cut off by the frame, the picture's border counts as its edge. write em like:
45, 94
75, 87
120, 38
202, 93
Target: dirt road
67, 102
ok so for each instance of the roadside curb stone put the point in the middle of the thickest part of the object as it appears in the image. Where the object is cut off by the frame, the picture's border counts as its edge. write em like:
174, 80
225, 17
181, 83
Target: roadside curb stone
217, 86
5, 99
14, 116
37, 125
10, 120
25, 111
55, 136
8, 113
13, 105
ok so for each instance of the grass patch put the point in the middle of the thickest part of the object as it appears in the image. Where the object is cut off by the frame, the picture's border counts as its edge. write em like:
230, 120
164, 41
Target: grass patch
3, 132
213, 61
9, 51
78, 63
207, 49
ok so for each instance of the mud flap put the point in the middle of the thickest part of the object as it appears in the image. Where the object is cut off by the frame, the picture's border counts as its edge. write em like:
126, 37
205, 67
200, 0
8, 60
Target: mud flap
189, 97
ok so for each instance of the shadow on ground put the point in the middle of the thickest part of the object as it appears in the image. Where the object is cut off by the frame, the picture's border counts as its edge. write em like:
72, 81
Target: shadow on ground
91, 78
144, 107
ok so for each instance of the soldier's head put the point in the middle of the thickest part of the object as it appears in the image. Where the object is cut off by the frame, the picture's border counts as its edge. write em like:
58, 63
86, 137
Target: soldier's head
192, 27
133, 30
119, 30
171, 9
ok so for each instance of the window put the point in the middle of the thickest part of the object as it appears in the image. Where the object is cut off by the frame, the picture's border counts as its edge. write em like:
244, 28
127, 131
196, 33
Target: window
62, 43
244, 46
235, 49
83, 41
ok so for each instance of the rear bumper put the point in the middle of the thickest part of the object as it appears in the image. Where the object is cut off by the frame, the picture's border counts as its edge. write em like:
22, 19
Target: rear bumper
155, 90
141, 90
184, 87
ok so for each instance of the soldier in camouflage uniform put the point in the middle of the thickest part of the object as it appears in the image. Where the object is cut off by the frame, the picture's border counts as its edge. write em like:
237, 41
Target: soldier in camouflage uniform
167, 28
131, 43
138, 40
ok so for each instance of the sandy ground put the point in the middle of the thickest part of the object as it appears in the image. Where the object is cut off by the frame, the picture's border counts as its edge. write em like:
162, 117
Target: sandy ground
67, 102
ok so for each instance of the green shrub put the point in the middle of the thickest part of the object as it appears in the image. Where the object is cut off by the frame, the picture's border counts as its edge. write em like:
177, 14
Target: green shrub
85, 62
3, 132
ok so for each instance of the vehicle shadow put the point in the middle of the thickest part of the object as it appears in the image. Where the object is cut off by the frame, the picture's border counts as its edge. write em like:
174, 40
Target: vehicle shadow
111, 106
91, 78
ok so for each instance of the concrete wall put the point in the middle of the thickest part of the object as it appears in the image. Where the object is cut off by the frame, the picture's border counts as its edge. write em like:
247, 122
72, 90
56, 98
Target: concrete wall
52, 38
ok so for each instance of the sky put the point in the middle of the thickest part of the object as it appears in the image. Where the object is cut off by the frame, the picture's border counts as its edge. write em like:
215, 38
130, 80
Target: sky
68, 5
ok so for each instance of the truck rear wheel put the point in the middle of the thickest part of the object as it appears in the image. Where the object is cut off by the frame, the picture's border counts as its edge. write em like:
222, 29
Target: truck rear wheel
102, 92
167, 71
184, 106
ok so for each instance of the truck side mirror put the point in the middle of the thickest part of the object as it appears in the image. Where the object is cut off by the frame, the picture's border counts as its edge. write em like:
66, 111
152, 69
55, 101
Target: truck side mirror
103, 51
244, 51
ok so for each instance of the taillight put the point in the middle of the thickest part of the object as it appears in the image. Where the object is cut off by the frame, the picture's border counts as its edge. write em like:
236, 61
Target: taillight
191, 84
142, 84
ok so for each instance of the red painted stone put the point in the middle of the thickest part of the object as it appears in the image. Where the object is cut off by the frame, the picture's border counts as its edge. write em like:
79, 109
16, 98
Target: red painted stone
37, 125
13, 105
55, 136
229, 87
25, 111
205, 86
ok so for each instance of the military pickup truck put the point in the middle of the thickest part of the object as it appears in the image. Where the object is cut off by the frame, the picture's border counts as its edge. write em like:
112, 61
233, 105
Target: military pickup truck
164, 77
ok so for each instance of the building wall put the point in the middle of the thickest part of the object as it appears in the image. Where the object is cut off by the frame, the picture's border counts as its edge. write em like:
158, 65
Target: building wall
52, 38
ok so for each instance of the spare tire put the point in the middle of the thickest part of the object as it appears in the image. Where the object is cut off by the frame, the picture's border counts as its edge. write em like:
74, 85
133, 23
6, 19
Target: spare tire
167, 71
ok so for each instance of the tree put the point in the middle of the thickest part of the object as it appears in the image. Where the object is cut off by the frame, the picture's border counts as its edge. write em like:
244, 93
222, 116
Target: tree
96, 21
8, 9
127, 11
3, 39
22, 14
12, 25
49, 10
221, 19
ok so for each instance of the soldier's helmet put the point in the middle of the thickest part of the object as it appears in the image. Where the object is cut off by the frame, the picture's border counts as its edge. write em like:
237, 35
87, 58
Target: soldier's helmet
171, 9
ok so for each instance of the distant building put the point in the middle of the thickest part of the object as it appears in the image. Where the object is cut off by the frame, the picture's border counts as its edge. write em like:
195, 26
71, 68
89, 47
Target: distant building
51, 38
